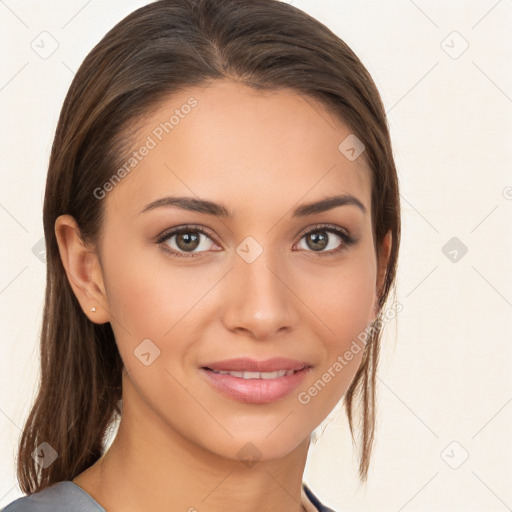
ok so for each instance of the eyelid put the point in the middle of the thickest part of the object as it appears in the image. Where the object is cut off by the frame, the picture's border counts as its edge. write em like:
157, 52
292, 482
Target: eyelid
184, 227
325, 227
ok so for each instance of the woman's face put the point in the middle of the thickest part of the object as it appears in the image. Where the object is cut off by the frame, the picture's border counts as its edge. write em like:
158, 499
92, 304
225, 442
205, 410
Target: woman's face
255, 275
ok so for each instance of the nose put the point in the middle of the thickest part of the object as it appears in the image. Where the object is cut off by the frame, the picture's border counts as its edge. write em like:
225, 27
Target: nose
259, 301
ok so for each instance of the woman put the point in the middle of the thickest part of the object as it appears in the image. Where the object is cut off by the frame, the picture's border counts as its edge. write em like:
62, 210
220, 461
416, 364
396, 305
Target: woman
222, 228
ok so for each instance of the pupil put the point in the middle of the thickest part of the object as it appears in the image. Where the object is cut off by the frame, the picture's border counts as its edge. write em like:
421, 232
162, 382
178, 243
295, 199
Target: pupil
319, 240
185, 239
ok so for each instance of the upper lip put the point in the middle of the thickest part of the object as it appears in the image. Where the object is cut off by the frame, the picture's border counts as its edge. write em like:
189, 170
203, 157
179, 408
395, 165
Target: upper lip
246, 364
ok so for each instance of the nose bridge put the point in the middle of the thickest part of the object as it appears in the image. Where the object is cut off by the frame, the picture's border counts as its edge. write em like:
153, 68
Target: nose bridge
258, 300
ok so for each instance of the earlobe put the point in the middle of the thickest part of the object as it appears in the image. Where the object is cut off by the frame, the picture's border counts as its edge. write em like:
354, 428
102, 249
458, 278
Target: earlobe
82, 268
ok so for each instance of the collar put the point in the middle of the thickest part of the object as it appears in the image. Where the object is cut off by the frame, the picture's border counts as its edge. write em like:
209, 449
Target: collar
306, 502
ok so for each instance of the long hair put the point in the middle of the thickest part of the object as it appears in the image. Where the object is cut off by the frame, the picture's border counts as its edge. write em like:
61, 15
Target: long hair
160, 49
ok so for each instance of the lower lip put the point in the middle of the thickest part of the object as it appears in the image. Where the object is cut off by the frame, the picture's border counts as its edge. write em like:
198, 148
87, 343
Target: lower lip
255, 391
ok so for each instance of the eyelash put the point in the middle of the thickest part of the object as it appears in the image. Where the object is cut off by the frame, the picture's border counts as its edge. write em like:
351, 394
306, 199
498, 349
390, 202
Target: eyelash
328, 228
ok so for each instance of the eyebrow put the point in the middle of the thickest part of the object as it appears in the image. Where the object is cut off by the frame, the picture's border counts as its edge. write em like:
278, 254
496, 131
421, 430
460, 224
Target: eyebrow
219, 210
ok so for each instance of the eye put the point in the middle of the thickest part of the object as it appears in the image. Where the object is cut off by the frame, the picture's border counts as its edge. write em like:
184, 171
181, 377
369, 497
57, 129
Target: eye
184, 240
320, 239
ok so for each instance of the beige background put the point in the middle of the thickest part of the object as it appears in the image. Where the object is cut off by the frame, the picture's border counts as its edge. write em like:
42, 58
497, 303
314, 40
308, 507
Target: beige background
445, 386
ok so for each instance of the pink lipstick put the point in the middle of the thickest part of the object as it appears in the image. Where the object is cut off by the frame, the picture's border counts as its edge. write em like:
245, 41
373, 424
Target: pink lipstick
256, 382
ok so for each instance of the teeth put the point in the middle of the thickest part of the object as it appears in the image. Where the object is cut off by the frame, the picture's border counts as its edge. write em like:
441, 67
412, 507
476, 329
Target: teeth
257, 375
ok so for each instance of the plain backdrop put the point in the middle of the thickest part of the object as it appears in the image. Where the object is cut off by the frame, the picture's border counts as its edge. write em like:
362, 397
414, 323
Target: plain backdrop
445, 382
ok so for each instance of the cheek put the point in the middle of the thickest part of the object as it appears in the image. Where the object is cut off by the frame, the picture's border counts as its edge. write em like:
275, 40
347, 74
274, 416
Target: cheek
152, 298
355, 301
344, 306
345, 300
144, 292
345, 313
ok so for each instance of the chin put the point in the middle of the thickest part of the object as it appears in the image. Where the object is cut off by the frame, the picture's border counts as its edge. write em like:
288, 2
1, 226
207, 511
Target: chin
264, 441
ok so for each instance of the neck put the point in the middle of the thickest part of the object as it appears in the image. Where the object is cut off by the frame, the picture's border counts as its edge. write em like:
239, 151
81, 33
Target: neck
150, 466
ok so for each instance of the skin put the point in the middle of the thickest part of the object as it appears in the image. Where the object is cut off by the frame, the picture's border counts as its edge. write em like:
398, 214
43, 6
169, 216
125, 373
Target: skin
261, 154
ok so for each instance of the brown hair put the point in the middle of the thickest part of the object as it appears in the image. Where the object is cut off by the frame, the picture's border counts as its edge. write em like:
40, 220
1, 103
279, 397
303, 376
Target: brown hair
159, 49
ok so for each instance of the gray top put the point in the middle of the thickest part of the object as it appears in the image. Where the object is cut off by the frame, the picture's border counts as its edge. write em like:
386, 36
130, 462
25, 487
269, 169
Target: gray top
67, 496
63, 496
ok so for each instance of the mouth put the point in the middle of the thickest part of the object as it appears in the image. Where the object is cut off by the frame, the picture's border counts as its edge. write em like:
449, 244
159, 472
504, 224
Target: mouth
256, 382
256, 375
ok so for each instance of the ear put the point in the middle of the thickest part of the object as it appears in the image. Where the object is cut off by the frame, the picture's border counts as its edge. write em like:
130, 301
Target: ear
383, 259
83, 269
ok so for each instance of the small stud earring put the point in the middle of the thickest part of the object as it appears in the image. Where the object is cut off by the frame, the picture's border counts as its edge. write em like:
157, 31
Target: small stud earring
93, 309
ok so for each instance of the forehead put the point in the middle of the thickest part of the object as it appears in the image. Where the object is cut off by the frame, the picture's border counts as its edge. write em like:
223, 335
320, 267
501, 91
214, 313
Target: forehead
244, 147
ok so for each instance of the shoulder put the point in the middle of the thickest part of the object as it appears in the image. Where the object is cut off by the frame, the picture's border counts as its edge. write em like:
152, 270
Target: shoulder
60, 497
311, 502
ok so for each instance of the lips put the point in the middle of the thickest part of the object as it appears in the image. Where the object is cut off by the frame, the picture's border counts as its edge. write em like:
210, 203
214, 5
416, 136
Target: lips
251, 365
257, 375
257, 382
